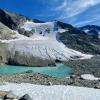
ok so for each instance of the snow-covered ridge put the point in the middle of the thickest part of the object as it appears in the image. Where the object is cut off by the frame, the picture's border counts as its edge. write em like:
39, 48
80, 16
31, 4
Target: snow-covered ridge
42, 30
56, 92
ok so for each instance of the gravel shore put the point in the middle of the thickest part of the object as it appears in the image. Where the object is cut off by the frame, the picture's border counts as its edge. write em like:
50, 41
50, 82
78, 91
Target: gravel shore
41, 79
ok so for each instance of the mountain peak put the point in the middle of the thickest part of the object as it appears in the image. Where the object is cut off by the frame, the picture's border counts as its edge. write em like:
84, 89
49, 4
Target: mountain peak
12, 20
93, 30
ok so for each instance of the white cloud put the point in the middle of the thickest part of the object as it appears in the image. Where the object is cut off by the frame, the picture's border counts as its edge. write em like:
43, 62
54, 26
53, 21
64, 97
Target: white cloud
70, 8
88, 21
62, 6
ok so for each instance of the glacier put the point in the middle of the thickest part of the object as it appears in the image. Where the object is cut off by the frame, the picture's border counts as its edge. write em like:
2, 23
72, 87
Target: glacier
42, 43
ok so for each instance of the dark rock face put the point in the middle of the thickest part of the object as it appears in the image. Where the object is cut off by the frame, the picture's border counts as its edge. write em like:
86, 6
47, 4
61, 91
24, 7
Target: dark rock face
93, 30
26, 33
22, 59
80, 41
12, 20
86, 66
63, 25
37, 21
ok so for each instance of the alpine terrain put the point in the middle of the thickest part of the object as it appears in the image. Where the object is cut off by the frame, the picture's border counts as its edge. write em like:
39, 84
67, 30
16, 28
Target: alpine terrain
67, 55
36, 43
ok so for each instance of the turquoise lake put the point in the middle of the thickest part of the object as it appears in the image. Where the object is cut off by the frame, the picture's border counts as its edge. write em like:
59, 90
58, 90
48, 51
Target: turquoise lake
59, 71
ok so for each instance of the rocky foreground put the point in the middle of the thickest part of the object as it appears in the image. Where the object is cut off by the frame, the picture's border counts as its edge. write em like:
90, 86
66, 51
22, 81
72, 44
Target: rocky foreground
26, 80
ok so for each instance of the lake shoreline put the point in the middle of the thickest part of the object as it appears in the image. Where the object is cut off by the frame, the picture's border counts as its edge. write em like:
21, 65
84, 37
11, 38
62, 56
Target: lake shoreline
85, 66
41, 79
80, 67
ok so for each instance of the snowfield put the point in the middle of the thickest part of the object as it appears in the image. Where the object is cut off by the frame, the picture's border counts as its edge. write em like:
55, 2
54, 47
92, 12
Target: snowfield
56, 92
47, 49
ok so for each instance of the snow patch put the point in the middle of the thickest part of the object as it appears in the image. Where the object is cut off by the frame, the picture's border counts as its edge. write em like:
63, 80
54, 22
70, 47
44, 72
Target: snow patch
89, 77
56, 92
86, 30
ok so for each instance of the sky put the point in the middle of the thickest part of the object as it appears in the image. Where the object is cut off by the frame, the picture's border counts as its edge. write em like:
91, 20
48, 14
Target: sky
75, 12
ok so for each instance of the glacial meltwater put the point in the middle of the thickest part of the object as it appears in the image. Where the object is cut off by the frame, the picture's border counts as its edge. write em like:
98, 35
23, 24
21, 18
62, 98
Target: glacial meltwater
60, 70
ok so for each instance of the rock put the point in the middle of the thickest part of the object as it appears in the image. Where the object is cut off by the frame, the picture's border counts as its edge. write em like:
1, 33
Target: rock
3, 93
21, 31
25, 97
97, 85
10, 95
28, 33
22, 59
29, 71
24, 32
73, 76
12, 20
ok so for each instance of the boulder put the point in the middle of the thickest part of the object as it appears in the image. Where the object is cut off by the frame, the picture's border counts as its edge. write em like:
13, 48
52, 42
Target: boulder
10, 95
2, 94
97, 86
28, 71
25, 97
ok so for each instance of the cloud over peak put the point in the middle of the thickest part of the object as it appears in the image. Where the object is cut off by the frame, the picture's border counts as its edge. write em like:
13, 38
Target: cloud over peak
70, 8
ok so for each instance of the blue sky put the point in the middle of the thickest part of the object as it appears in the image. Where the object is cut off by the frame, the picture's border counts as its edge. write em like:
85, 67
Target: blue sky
76, 12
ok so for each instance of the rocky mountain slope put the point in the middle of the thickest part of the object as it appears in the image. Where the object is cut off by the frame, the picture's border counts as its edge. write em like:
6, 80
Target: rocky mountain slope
5, 32
78, 39
37, 43
93, 30
12, 20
